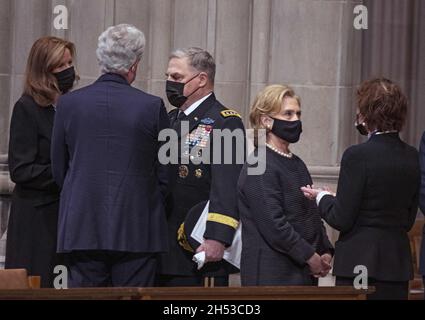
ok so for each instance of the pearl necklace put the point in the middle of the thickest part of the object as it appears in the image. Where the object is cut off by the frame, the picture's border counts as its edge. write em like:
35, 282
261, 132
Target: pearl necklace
283, 154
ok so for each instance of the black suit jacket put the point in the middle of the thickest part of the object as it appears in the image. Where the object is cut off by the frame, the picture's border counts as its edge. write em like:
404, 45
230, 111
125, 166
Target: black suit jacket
422, 202
375, 206
29, 151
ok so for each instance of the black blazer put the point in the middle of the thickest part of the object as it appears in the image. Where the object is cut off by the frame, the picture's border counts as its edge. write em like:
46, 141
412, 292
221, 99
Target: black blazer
29, 151
375, 206
422, 202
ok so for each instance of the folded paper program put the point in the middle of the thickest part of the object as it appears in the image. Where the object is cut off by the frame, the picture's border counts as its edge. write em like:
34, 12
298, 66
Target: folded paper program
231, 254
199, 258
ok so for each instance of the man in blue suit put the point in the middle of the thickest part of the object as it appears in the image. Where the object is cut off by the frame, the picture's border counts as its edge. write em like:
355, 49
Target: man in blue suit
112, 223
422, 204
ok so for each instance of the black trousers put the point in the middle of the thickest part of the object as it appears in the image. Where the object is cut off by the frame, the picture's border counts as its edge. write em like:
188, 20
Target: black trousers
31, 239
188, 281
110, 269
384, 290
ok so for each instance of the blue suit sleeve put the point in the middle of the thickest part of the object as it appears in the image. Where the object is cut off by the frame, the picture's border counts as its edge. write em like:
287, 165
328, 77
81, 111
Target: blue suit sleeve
422, 161
163, 170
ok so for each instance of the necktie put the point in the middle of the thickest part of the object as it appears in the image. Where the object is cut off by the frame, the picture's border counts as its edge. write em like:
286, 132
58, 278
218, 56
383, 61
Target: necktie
177, 123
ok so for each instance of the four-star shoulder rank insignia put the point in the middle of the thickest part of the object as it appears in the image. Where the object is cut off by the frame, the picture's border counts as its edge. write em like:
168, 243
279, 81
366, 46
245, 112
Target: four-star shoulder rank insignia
230, 113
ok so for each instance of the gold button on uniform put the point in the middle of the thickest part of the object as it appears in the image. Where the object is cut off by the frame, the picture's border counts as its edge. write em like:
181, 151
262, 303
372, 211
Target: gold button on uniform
183, 172
199, 173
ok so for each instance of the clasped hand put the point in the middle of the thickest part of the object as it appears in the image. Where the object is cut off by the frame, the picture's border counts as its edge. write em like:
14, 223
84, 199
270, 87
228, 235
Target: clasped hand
320, 265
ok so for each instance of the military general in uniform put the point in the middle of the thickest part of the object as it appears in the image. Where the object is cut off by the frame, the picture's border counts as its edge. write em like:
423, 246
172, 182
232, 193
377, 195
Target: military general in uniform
196, 181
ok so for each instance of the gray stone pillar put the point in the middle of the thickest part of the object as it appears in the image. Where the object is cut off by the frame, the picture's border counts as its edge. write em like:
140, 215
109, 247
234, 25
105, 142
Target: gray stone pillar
232, 53
5, 70
21, 22
317, 51
394, 48
159, 45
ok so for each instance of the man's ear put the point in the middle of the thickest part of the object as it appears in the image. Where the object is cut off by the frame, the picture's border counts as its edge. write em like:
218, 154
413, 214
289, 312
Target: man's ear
134, 67
203, 79
132, 72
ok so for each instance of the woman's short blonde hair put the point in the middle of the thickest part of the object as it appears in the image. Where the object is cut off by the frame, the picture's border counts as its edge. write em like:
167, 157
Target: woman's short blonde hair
45, 56
269, 102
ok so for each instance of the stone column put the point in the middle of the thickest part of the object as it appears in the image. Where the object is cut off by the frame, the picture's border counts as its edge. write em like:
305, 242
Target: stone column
136, 13
5, 70
160, 44
394, 47
21, 22
87, 20
260, 48
317, 51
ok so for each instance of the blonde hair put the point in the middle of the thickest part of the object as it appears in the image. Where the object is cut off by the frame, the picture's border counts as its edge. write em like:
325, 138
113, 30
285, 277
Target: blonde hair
46, 55
269, 102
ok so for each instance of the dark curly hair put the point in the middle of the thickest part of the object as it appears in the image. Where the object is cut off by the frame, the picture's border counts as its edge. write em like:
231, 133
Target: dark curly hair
382, 105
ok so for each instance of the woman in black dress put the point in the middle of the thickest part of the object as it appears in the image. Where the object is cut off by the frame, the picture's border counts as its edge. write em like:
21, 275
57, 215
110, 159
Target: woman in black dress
32, 229
377, 198
284, 241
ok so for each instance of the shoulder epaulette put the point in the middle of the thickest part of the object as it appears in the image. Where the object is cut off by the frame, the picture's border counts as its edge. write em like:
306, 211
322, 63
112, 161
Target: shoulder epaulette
230, 113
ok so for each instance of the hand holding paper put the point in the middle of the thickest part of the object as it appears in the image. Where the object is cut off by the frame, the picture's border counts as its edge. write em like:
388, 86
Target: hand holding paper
214, 250
231, 254
199, 258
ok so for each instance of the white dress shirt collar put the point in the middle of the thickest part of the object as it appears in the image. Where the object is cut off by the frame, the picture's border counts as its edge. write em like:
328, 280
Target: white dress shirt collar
194, 106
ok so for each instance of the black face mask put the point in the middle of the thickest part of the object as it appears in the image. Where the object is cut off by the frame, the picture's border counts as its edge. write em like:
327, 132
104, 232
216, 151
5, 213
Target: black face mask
290, 131
361, 127
175, 92
66, 79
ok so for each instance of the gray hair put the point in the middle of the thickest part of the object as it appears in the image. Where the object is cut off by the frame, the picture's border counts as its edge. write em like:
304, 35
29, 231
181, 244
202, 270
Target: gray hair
199, 59
119, 47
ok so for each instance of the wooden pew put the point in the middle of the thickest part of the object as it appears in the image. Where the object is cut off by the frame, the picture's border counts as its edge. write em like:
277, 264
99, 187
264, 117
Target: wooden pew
229, 293
416, 289
256, 293
17, 279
